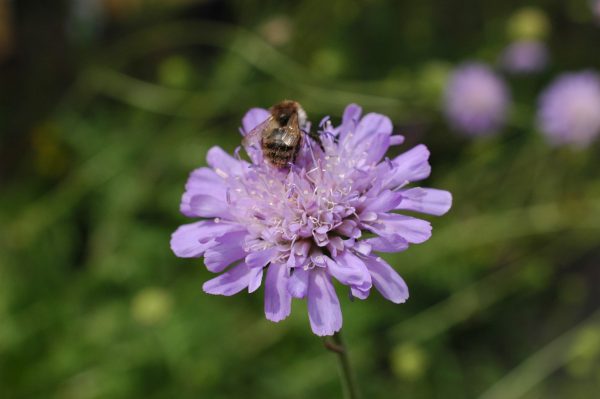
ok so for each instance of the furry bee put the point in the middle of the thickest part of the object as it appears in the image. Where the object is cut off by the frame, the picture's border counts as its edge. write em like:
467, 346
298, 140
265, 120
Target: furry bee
280, 135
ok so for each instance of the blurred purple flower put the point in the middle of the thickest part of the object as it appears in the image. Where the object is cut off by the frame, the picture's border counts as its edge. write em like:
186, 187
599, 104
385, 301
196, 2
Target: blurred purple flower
525, 56
325, 217
476, 100
596, 8
569, 109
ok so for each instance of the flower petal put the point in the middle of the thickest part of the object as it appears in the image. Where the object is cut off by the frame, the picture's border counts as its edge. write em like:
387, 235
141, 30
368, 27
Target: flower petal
360, 294
260, 258
349, 228
383, 201
202, 181
224, 164
298, 282
324, 309
206, 206
349, 270
349, 120
396, 139
386, 280
376, 148
253, 118
366, 141
278, 300
205, 180
413, 165
225, 252
426, 200
372, 124
231, 282
391, 243
191, 240
413, 230
372, 136
255, 279
352, 113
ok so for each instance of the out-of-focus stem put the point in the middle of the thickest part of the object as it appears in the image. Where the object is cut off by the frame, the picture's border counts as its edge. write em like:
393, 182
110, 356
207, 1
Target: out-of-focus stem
336, 345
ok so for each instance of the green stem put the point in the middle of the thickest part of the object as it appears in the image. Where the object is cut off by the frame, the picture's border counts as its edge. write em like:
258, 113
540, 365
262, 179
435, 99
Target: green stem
337, 346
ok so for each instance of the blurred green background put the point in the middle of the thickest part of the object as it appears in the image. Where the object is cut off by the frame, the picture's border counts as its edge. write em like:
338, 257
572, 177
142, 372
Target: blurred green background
107, 105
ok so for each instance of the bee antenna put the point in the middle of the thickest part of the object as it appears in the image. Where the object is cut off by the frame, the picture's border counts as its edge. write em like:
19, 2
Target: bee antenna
316, 137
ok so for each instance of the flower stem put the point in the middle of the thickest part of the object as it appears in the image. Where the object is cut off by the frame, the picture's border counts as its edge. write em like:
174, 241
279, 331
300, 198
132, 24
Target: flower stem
336, 345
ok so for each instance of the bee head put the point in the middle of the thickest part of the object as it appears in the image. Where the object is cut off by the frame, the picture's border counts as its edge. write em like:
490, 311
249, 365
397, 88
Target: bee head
302, 118
284, 110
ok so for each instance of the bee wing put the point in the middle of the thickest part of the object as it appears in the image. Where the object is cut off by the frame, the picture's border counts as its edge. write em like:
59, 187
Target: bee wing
292, 135
252, 141
255, 135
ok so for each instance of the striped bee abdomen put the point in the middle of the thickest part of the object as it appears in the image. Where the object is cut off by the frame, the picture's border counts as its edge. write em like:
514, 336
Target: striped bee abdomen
280, 148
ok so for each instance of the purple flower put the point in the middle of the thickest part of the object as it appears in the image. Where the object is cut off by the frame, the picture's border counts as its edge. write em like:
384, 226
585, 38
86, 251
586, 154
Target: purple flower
525, 56
595, 4
325, 217
569, 109
476, 100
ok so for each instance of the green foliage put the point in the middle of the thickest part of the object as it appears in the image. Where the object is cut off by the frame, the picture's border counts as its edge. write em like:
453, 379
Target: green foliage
93, 304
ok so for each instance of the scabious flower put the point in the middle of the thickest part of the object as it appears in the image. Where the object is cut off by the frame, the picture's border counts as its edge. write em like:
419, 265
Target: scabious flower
595, 4
524, 57
569, 109
476, 100
325, 217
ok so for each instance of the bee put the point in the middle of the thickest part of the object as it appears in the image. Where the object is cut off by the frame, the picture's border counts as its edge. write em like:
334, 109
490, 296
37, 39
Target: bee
280, 136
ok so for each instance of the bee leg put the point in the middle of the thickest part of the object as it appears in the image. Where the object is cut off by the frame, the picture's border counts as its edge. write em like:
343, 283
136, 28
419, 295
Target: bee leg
317, 138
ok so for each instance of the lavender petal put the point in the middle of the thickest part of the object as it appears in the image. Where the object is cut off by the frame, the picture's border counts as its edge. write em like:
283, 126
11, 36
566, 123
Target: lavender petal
391, 243
386, 280
226, 252
207, 206
224, 164
231, 282
413, 230
253, 118
349, 270
324, 309
411, 166
277, 298
192, 240
426, 200
260, 258
255, 279
298, 283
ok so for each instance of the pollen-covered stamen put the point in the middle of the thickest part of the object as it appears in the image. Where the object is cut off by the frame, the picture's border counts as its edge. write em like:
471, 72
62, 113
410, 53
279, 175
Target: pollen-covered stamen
310, 207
